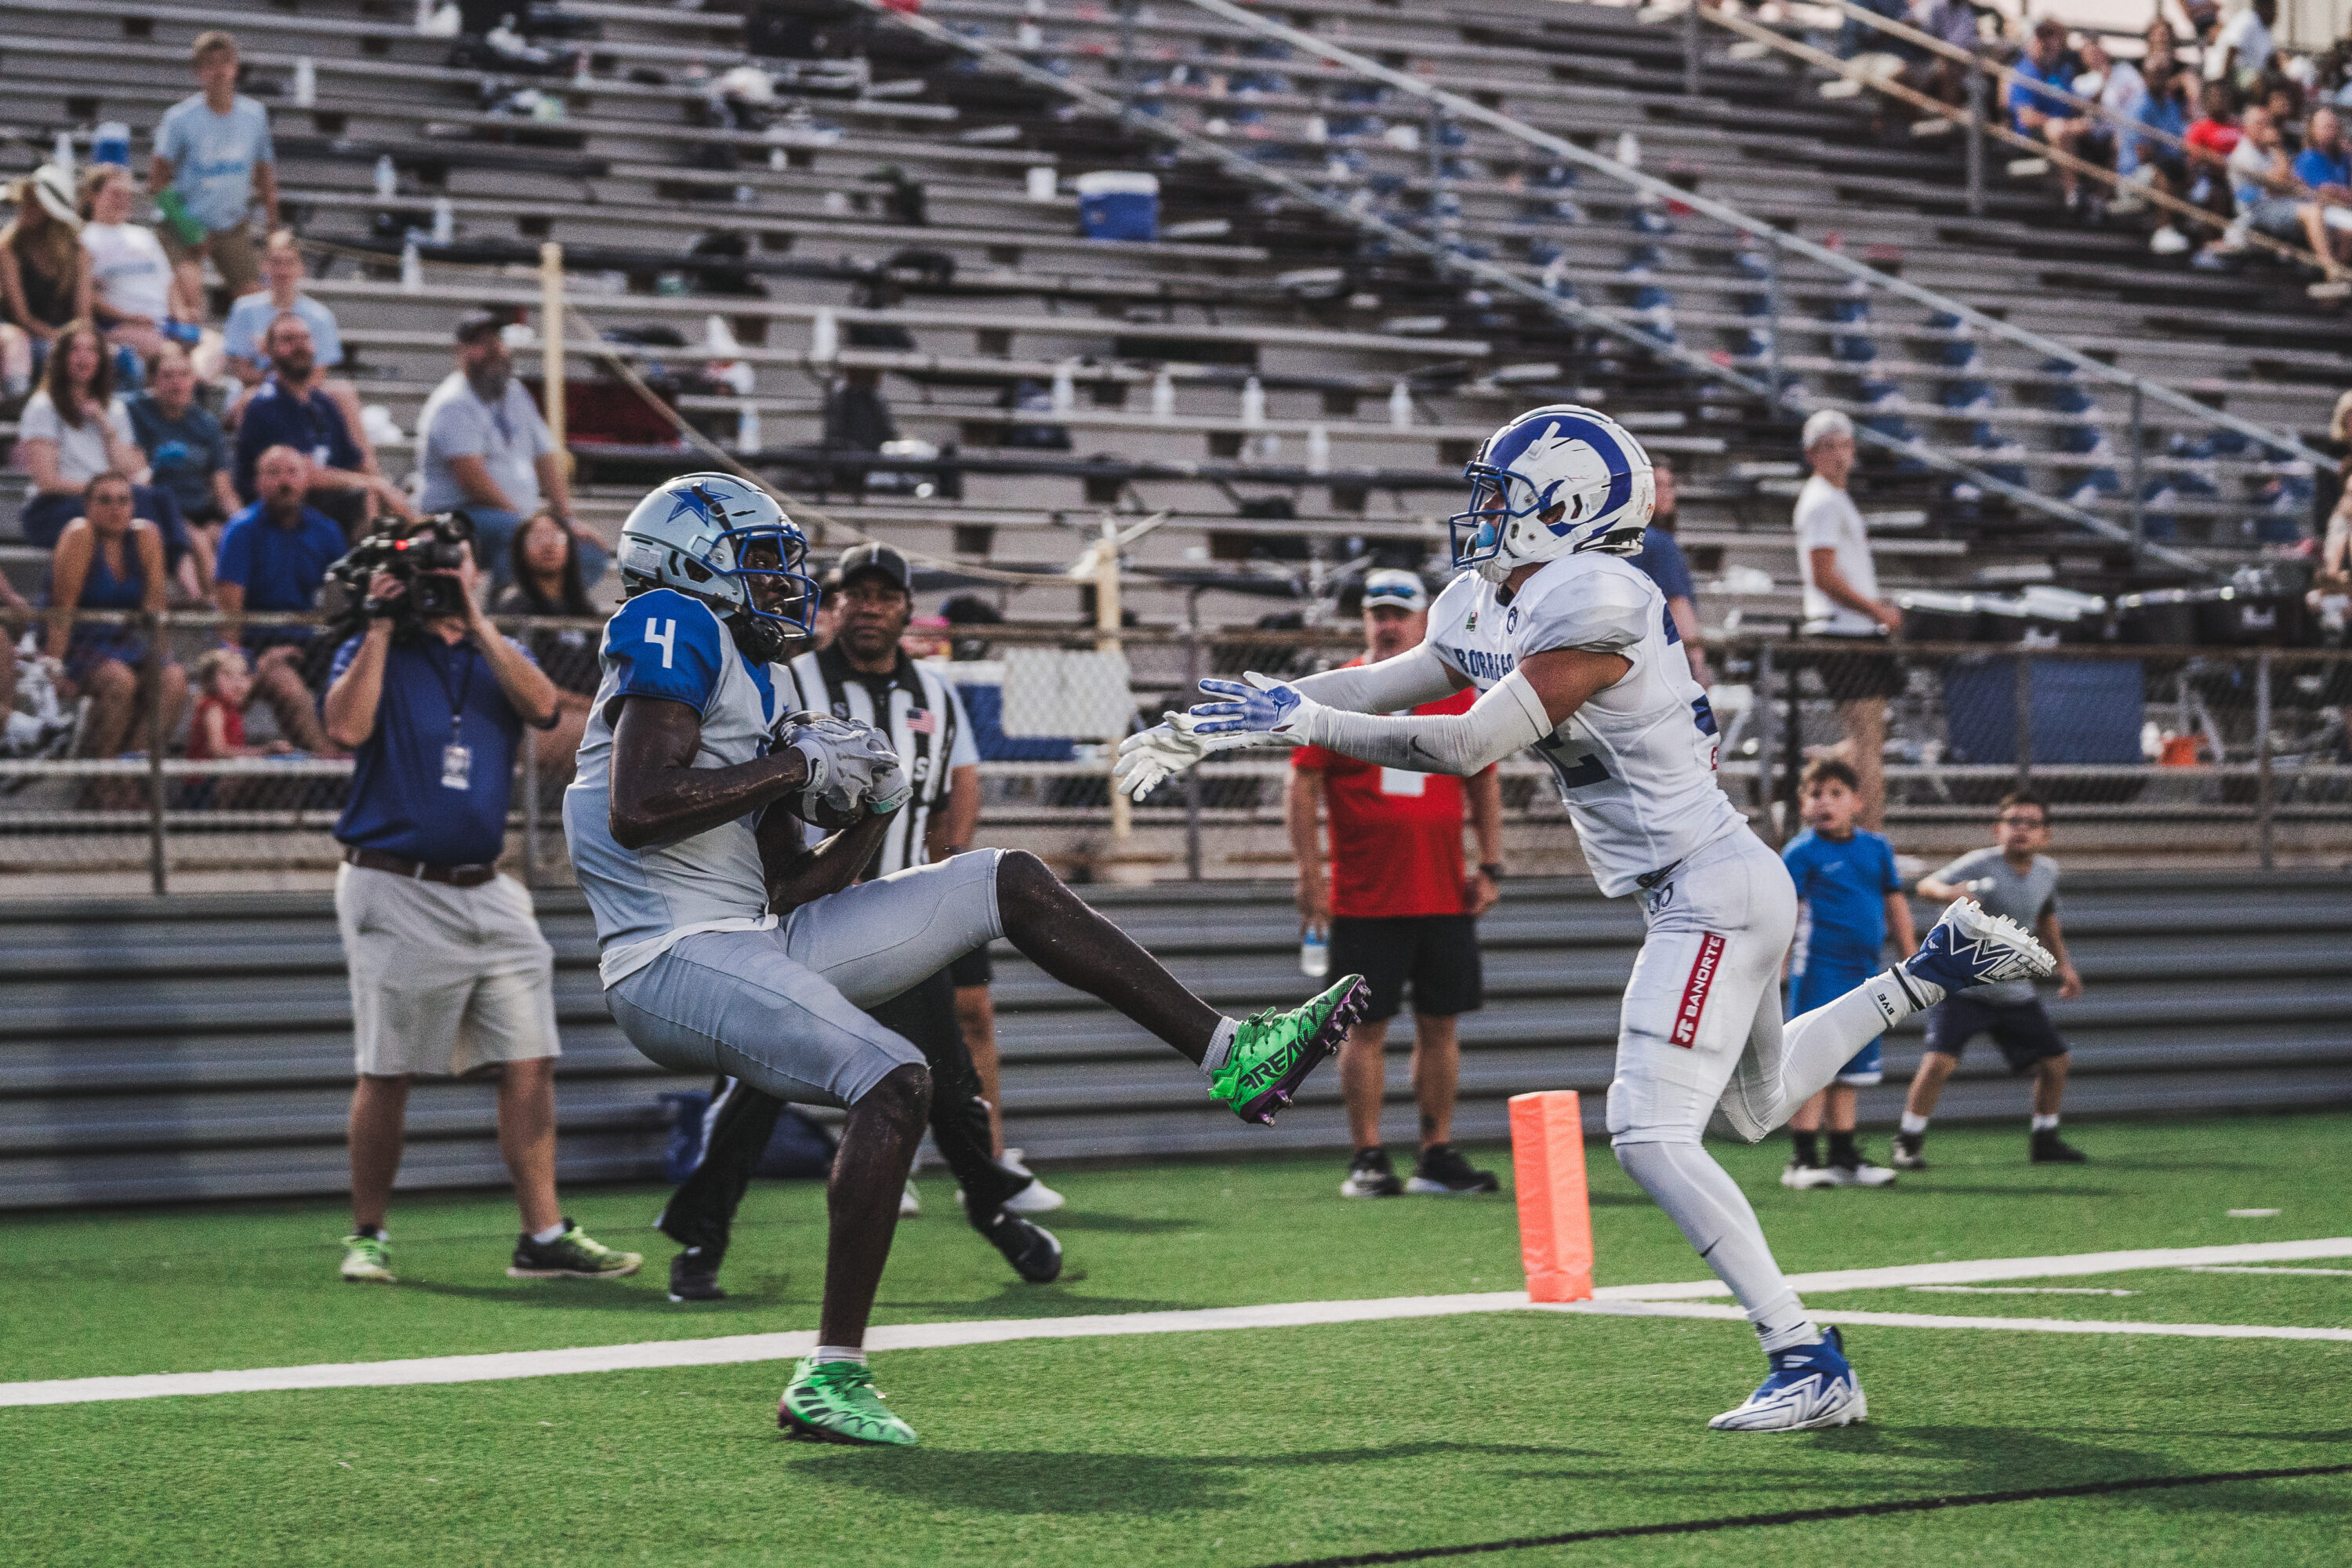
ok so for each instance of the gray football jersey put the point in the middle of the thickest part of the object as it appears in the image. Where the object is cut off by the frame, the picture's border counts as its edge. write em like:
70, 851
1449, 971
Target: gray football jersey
2024, 898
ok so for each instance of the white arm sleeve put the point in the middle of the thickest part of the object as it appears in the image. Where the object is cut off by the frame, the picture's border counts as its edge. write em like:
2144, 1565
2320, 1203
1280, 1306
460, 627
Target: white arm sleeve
1507, 719
1408, 680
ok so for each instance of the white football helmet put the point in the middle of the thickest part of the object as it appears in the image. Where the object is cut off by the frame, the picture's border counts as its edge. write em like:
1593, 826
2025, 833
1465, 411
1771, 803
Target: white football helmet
727, 543
1554, 480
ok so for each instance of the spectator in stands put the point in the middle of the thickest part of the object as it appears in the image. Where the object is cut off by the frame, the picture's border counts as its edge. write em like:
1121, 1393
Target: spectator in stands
250, 316
1662, 559
487, 450
108, 559
291, 409
223, 686
274, 555
2325, 168
72, 431
1953, 22
134, 296
2171, 88
545, 570
2244, 47
213, 166
1841, 601
449, 972
43, 273
2211, 138
2015, 879
1399, 908
187, 451
2263, 187
2043, 115
2117, 87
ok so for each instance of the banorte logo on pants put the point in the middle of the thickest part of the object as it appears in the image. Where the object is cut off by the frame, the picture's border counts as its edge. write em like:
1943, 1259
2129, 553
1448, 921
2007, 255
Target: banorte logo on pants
1695, 990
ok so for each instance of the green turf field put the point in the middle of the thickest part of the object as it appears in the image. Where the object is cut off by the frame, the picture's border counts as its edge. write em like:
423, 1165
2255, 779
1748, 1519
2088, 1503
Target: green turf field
1242, 1447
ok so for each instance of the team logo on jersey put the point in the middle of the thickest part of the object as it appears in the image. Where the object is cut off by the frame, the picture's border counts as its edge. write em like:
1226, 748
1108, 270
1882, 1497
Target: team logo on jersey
1511, 621
1471, 624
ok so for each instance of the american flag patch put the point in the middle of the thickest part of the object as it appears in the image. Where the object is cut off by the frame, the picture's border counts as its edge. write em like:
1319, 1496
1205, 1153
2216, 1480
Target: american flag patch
922, 722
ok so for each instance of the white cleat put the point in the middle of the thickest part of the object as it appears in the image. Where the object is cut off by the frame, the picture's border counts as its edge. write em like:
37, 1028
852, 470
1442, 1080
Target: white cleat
1808, 1387
1968, 948
1865, 1174
909, 1205
1035, 1198
1804, 1178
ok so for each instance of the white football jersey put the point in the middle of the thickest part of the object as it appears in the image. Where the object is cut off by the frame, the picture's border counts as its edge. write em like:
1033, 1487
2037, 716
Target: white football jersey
1635, 764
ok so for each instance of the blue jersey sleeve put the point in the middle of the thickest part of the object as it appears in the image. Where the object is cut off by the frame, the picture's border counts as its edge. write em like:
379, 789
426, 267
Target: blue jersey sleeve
666, 645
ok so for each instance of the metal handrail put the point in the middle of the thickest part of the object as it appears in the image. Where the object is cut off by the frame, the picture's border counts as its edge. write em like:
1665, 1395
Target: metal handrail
1448, 262
1466, 109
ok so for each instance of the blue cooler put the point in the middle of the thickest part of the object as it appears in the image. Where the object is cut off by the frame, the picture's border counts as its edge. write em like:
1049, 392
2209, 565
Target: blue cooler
1113, 205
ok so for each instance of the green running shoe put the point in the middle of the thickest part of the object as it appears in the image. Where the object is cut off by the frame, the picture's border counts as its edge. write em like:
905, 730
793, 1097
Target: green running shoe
837, 1402
367, 1258
571, 1255
1276, 1050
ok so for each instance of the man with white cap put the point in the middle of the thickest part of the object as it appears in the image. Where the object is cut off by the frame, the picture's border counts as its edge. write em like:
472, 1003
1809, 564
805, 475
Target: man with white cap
1841, 601
1398, 906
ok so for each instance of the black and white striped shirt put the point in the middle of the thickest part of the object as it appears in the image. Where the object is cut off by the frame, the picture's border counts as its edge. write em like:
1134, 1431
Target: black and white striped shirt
925, 722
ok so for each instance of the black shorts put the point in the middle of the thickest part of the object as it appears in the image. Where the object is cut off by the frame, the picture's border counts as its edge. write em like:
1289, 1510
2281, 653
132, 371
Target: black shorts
1439, 953
2021, 1030
1856, 676
972, 968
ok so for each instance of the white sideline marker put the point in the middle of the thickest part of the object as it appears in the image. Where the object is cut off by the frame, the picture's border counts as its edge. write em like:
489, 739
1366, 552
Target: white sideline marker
1668, 1301
2016, 1291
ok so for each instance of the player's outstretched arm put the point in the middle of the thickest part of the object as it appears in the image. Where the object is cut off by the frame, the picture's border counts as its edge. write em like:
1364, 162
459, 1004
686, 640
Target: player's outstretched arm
659, 796
1523, 707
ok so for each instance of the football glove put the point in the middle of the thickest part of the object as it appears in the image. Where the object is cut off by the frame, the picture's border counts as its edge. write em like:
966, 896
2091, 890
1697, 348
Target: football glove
842, 756
1150, 757
1264, 707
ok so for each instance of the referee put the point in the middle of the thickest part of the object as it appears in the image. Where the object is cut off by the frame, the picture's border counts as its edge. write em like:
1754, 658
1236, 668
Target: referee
864, 674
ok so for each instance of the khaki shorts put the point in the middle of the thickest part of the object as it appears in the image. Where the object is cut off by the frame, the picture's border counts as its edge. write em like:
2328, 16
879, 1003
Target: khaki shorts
444, 980
232, 250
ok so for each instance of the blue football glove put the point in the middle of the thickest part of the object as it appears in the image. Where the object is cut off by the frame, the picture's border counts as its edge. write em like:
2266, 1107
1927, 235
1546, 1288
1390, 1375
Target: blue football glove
1264, 707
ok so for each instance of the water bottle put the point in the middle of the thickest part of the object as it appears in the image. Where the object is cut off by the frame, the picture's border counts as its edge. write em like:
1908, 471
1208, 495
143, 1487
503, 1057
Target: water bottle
387, 178
1253, 403
306, 82
1401, 406
411, 270
1163, 395
747, 427
1314, 954
1065, 388
444, 221
824, 337
1318, 449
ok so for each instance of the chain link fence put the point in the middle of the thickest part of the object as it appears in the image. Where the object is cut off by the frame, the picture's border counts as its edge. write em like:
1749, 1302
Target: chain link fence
2174, 753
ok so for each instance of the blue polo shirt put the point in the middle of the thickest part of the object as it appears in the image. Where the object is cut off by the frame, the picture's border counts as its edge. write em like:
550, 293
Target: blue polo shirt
1663, 562
1841, 887
2316, 168
279, 568
2026, 93
311, 424
401, 803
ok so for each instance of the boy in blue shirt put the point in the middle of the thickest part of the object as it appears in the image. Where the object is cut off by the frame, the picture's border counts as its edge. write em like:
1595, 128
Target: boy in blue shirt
1849, 897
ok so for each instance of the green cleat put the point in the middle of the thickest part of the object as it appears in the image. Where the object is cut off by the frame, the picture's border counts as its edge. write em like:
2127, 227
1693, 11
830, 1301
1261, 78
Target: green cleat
367, 1258
1274, 1050
837, 1402
575, 1255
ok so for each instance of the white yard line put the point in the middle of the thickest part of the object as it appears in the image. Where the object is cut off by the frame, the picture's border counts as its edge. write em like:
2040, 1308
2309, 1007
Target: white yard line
2224, 1268
2015, 1291
1677, 1301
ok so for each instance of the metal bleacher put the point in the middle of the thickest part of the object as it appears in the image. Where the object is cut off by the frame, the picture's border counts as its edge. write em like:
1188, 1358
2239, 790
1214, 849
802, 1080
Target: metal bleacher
158, 1050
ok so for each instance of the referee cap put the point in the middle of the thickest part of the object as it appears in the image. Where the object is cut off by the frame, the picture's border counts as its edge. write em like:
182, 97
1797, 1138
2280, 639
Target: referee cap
1824, 425
876, 557
1397, 588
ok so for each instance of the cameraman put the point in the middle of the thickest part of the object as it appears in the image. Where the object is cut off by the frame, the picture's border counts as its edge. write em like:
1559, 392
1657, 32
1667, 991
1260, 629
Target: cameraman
449, 972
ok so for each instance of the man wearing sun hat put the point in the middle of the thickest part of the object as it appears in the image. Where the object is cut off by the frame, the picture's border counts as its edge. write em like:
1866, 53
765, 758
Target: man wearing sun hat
1398, 907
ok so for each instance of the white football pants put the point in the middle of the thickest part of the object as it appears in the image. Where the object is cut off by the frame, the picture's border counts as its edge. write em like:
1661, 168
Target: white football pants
1701, 1031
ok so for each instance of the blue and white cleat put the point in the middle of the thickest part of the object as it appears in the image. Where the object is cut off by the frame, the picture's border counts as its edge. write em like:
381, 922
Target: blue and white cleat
1811, 1386
1968, 948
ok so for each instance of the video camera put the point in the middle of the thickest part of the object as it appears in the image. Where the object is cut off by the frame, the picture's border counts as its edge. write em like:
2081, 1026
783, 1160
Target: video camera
425, 555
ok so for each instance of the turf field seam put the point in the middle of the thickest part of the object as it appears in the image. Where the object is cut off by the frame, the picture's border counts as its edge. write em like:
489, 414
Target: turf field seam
1817, 1515
1634, 1300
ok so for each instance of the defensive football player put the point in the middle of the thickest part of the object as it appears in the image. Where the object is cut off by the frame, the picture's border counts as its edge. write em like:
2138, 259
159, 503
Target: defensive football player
684, 824
1573, 653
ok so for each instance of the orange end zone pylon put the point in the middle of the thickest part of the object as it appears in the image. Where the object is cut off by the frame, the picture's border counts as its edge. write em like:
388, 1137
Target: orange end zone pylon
1555, 1216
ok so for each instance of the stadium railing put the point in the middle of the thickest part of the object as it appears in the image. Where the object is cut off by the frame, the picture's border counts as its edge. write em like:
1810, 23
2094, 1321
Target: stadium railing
2154, 752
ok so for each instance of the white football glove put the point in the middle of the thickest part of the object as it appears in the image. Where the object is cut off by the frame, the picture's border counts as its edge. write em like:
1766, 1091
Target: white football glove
1150, 757
843, 757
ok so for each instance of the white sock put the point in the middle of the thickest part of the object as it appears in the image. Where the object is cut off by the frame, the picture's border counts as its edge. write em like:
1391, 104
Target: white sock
1221, 1045
549, 1234
1914, 1125
823, 1353
2047, 1123
1713, 1214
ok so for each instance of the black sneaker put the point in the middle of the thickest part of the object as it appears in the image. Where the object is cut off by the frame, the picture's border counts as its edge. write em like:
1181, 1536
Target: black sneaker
1369, 1177
693, 1276
1031, 1249
1441, 1171
2049, 1149
575, 1255
1910, 1151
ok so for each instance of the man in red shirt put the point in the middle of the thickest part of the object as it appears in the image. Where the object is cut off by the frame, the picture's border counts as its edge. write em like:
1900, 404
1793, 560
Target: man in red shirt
1398, 907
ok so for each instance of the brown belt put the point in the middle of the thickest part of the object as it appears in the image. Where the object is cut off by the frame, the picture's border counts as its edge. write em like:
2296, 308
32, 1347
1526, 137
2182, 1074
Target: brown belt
399, 865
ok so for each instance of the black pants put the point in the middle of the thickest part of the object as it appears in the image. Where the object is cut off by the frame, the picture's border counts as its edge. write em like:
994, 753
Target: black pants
701, 1213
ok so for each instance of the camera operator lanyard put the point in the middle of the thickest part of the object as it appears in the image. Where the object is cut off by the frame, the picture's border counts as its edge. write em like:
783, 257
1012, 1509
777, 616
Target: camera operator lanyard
457, 757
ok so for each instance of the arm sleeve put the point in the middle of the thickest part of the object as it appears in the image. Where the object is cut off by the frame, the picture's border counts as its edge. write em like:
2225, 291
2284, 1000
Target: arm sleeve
1408, 680
668, 645
1507, 720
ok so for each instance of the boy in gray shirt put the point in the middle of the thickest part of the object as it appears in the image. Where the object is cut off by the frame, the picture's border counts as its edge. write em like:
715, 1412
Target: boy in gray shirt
2011, 878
